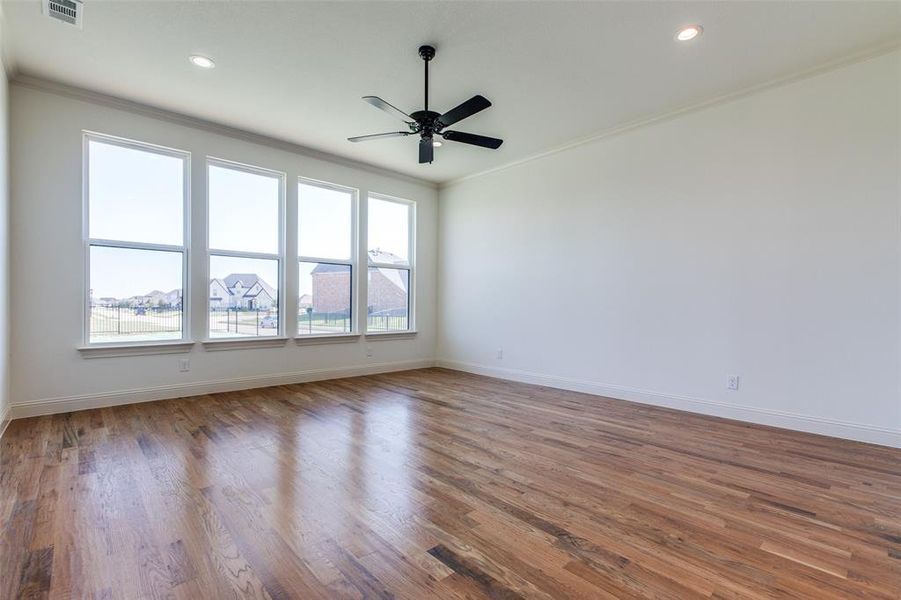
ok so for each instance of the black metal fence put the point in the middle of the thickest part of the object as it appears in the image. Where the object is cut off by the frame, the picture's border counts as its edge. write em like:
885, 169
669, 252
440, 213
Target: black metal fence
388, 320
124, 321
310, 322
112, 320
226, 322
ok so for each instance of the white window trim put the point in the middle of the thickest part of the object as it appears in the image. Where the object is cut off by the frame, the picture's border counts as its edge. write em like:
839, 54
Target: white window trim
352, 262
246, 341
122, 346
409, 266
133, 349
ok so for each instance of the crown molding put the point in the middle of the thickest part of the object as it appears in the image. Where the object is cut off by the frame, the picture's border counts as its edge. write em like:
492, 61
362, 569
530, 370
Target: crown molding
25, 80
847, 60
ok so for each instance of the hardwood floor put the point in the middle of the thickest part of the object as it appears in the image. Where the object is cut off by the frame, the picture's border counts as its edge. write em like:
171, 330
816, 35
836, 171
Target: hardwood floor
438, 484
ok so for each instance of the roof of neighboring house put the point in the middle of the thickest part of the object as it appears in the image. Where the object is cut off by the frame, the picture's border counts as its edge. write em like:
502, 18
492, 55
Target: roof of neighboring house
305, 300
381, 256
377, 255
260, 290
395, 277
330, 268
248, 280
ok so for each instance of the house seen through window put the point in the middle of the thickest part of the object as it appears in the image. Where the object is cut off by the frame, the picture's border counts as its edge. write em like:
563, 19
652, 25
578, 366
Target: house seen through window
135, 203
390, 230
326, 225
245, 246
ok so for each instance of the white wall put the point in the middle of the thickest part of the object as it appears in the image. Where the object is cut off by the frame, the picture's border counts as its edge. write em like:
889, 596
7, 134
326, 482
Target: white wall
759, 237
49, 374
4, 240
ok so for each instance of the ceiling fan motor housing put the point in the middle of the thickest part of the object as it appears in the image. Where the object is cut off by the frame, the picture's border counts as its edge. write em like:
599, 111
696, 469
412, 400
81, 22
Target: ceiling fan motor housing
426, 52
426, 122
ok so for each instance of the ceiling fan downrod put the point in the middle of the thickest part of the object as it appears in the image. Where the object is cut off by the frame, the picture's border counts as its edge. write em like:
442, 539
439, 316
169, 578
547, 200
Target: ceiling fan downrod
427, 53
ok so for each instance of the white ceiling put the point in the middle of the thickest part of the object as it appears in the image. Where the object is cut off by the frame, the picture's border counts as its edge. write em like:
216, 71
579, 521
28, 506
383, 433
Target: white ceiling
554, 71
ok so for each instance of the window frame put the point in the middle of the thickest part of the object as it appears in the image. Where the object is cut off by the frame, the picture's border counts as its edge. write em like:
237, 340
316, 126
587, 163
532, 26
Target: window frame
352, 262
280, 257
88, 242
410, 267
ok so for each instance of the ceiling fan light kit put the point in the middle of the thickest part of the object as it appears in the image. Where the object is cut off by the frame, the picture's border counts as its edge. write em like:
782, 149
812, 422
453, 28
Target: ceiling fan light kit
427, 123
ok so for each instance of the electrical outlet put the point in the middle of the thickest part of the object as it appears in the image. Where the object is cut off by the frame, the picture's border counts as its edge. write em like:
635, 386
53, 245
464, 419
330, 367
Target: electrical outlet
500, 353
369, 351
732, 382
184, 364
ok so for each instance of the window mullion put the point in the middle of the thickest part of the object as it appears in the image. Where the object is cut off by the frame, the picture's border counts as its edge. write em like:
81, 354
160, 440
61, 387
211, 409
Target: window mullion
135, 245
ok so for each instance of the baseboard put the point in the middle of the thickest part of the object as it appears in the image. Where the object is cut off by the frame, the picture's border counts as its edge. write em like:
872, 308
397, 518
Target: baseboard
4, 420
49, 406
852, 431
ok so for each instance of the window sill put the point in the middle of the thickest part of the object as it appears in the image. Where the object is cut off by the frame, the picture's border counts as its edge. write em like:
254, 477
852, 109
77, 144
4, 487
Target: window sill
243, 344
391, 335
327, 338
134, 349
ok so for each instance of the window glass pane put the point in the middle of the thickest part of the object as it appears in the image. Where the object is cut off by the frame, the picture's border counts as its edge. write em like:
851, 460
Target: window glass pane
135, 195
324, 222
388, 303
243, 210
389, 231
135, 295
243, 297
324, 303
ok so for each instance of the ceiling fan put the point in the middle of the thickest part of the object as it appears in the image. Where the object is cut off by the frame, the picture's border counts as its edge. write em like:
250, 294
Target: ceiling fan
427, 123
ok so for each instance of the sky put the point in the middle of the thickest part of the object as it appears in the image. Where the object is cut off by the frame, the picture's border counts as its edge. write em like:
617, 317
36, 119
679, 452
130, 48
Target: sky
324, 222
120, 210
138, 196
123, 272
243, 211
388, 227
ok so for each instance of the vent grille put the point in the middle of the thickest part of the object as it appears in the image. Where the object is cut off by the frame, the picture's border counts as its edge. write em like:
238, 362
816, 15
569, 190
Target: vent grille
67, 11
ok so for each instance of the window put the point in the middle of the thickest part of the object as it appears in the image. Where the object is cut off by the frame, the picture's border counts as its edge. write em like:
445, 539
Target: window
136, 253
325, 240
246, 247
391, 223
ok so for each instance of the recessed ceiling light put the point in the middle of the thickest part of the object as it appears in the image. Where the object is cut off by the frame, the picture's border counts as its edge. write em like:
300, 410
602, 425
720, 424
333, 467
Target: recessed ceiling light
201, 61
689, 33
437, 144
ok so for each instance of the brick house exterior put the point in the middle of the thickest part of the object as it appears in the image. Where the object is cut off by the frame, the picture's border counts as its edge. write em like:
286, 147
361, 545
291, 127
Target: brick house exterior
331, 288
387, 291
387, 287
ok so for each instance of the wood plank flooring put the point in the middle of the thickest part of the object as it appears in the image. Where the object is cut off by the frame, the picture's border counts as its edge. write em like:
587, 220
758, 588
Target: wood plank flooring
438, 484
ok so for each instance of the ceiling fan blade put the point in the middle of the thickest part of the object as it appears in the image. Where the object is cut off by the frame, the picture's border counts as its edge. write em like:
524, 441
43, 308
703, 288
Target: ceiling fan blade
388, 108
467, 109
426, 150
378, 136
471, 138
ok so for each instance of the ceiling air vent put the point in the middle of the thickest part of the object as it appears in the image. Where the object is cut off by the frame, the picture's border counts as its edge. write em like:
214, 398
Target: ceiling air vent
67, 11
